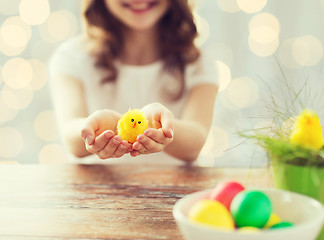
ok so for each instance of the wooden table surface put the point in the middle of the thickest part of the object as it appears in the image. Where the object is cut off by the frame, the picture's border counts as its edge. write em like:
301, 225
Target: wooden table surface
103, 201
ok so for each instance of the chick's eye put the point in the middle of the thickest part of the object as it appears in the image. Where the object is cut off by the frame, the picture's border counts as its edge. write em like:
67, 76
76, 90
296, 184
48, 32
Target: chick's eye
139, 122
132, 120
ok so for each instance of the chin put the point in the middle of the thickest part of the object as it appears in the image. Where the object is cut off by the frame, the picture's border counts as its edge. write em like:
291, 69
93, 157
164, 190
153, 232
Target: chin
145, 26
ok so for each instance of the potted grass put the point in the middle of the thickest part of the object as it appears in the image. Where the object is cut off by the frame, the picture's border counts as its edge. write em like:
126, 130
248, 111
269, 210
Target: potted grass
296, 154
294, 141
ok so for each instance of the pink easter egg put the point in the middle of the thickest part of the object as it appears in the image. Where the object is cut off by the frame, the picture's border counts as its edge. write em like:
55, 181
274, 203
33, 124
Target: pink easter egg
224, 192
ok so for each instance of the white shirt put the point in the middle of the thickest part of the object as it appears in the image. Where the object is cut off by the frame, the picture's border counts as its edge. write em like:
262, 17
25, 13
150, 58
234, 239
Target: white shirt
135, 86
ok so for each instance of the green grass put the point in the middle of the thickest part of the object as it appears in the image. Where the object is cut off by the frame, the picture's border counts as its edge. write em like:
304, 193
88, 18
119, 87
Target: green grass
280, 149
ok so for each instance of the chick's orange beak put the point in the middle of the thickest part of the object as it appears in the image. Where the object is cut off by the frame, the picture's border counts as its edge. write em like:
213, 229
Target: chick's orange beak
134, 125
309, 121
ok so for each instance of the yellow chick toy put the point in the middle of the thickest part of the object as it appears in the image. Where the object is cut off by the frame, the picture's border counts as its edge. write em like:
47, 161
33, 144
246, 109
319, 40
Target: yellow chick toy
307, 131
131, 124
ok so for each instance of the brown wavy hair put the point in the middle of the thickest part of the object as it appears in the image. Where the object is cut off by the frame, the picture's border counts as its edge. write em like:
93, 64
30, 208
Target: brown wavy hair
177, 34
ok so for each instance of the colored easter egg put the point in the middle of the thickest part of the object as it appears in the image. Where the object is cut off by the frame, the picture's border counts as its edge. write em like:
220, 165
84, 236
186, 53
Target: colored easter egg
225, 192
274, 219
249, 230
251, 208
211, 213
282, 225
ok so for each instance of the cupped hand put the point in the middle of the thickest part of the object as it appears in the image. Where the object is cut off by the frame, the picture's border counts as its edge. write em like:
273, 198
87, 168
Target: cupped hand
160, 131
99, 135
152, 141
109, 145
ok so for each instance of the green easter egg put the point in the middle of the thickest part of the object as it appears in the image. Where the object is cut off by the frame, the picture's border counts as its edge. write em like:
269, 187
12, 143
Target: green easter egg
251, 208
282, 225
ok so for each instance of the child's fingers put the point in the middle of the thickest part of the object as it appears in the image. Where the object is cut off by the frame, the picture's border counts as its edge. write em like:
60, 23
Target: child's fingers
100, 142
167, 123
158, 135
121, 149
139, 146
134, 153
168, 132
111, 147
88, 132
136, 146
149, 144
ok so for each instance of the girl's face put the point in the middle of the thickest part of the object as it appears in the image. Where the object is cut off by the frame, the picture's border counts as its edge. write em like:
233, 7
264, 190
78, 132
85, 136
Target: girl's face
138, 14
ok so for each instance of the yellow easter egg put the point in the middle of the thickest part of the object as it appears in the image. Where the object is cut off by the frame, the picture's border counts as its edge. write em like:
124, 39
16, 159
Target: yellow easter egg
211, 213
274, 219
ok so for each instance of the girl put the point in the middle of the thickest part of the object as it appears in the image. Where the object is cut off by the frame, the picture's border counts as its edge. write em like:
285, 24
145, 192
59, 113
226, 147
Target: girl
135, 54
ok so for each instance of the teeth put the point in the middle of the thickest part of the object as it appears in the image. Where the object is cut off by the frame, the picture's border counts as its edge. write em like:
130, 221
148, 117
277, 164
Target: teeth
140, 6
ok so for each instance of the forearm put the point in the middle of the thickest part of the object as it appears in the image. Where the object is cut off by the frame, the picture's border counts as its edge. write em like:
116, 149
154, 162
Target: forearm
189, 139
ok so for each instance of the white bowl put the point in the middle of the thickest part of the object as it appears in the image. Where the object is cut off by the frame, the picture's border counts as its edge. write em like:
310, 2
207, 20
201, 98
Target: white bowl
306, 213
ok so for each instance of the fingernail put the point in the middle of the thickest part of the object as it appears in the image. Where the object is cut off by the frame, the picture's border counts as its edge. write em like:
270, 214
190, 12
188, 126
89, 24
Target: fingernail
89, 140
139, 137
148, 133
109, 134
171, 131
122, 146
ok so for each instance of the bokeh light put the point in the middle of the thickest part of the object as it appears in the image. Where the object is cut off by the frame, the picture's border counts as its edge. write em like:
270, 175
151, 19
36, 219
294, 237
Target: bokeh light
202, 28
14, 36
11, 142
40, 74
264, 49
34, 12
264, 34
224, 75
243, 92
299, 52
9, 8
265, 19
52, 153
10, 51
45, 126
251, 6
229, 6
59, 26
17, 73
17, 98
15, 32
307, 50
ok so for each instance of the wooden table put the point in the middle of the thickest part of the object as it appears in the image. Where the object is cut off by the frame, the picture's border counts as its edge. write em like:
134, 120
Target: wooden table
103, 201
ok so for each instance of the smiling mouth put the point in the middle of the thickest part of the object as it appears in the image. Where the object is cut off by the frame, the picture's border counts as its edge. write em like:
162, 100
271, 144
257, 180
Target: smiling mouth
140, 6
